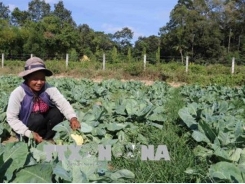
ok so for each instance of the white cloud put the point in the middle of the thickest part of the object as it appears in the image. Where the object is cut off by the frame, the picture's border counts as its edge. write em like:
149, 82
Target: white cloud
11, 7
112, 29
51, 1
138, 34
109, 28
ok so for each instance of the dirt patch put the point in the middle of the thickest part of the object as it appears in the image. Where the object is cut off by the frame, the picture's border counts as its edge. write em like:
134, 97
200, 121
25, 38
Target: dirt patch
176, 84
10, 139
146, 82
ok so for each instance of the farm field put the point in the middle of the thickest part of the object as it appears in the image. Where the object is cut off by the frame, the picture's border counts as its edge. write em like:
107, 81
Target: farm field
201, 126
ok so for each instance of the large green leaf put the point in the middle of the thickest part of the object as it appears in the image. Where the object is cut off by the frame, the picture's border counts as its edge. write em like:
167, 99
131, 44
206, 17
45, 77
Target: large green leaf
63, 127
223, 107
1, 130
109, 106
188, 119
144, 108
235, 154
85, 128
40, 173
124, 173
108, 141
78, 175
14, 157
226, 172
157, 116
61, 173
222, 154
208, 131
98, 131
131, 106
238, 129
224, 138
202, 152
115, 126
2, 116
39, 155
63, 131
200, 137
120, 107
242, 157
83, 170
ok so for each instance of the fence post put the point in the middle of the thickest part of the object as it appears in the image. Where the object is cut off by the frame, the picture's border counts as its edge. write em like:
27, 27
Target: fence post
103, 61
2, 60
31, 55
233, 65
67, 60
187, 64
144, 61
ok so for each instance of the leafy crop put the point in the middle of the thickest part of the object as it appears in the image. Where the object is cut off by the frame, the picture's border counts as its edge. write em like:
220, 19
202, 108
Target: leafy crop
110, 113
210, 122
217, 122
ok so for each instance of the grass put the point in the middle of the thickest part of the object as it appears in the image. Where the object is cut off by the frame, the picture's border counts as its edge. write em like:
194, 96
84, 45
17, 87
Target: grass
168, 72
179, 146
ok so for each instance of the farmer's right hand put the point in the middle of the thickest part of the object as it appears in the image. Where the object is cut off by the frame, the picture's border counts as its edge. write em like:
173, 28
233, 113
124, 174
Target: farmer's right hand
37, 137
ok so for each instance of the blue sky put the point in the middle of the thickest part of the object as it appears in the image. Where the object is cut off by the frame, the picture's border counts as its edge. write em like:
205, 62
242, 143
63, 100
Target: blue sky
143, 17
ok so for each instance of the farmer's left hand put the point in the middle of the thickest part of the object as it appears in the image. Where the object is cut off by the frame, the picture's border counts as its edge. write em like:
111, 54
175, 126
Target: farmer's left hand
74, 123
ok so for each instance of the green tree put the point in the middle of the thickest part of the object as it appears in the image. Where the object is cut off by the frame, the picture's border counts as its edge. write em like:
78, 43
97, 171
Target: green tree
123, 39
7, 36
86, 36
67, 39
129, 55
38, 9
51, 31
114, 55
150, 43
63, 14
101, 42
35, 44
193, 30
18, 17
158, 55
4, 11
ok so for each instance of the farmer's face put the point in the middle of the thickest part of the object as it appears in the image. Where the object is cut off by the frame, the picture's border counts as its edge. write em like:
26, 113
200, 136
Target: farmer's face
36, 81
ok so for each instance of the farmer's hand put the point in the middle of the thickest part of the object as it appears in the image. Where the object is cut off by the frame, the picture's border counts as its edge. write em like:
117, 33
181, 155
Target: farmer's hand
37, 137
74, 123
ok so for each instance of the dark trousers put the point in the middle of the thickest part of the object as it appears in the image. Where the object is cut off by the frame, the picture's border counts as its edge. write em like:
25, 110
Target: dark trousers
43, 123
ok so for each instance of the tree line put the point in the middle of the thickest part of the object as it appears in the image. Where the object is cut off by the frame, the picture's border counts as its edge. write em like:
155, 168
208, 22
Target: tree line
208, 31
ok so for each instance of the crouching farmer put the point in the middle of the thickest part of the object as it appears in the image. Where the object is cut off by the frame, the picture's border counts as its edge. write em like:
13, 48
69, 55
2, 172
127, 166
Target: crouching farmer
35, 107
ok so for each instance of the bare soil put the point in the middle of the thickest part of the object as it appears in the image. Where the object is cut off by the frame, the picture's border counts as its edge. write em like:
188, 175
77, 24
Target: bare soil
10, 139
145, 81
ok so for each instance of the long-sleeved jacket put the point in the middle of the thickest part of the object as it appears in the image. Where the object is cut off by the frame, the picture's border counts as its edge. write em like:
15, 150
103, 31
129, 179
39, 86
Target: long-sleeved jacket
17, 118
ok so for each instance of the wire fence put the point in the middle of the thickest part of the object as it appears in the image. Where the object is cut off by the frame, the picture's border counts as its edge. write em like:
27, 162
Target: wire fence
24, 57
104, 59
109, 59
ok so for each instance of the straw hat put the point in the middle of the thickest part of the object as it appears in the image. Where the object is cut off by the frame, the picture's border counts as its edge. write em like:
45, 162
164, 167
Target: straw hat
34, 64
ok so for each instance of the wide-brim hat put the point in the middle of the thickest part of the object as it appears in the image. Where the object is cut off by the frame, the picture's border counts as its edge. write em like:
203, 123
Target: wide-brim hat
34, 64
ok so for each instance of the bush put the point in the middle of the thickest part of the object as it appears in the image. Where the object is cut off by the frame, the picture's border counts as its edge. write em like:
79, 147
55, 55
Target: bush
74, 55
197, 69
134, 69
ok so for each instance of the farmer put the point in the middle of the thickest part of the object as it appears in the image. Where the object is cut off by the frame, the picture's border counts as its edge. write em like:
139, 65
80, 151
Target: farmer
35, 107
